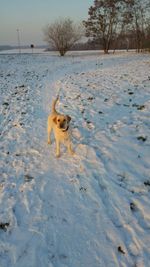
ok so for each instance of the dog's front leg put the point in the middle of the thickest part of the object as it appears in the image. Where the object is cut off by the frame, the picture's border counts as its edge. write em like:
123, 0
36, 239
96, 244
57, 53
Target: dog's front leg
49, 129
57, 149
49, 139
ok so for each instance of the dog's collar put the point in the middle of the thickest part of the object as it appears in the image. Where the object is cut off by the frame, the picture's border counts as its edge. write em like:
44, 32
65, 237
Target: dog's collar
65, 130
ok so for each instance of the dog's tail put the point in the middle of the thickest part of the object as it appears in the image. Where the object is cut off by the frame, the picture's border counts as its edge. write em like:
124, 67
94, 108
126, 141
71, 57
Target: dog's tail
54, 104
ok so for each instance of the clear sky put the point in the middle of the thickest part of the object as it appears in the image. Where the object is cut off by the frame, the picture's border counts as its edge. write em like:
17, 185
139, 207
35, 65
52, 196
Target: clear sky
30, 17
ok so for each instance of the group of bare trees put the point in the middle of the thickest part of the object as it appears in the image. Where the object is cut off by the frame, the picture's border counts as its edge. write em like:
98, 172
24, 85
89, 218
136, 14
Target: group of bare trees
106, 19
112, 20
109, 23
140, 27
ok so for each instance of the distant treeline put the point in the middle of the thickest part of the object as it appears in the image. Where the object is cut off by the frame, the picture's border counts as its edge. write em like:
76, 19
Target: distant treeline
5, 47
10, 47
123, 42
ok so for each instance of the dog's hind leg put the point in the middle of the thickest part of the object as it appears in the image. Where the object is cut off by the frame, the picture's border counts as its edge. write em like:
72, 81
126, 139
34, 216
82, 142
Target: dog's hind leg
70, 150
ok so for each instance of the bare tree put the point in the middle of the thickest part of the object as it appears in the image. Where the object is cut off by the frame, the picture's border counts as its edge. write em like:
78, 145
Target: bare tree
135, 29
105, 20
62, 34
147, 35
140, 14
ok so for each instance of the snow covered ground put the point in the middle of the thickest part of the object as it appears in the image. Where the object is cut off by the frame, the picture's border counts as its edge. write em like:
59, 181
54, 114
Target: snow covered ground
91, 210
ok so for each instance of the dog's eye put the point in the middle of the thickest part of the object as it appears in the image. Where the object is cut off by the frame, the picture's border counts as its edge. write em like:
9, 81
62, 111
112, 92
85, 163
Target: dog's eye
64, 120
58, 119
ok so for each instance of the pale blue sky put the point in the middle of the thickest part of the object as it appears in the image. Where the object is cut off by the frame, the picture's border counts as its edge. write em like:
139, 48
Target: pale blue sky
30, 16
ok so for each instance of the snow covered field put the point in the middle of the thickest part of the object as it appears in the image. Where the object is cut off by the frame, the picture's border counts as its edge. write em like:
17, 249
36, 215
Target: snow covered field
91, 210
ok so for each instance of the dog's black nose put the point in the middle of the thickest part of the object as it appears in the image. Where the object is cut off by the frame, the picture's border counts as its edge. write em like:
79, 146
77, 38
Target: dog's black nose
61, 125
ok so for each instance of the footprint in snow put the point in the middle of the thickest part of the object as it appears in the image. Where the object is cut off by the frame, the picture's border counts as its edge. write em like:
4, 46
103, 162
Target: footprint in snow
83, 189
142, 138
4, 226
140, 214
133, 207
73, 181
121, 250
28, 178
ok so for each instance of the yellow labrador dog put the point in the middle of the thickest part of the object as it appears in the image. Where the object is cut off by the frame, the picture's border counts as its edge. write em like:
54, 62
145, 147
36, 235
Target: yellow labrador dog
60, 125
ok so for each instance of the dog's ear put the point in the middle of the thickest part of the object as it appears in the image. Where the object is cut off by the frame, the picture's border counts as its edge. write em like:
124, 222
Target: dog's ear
54, 119
68, 118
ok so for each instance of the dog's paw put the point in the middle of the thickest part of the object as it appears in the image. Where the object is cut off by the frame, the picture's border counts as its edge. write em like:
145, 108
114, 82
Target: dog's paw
49, 142
57, 155
72, 153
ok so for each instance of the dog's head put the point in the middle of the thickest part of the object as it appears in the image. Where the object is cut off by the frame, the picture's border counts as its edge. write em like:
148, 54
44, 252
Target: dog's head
62, 121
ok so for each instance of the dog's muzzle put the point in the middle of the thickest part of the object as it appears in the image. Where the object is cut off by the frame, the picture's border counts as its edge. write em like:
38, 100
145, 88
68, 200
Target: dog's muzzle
65, 130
